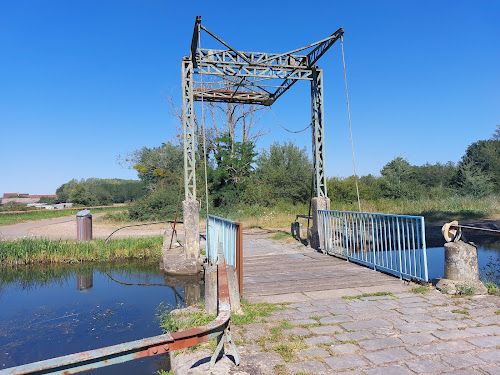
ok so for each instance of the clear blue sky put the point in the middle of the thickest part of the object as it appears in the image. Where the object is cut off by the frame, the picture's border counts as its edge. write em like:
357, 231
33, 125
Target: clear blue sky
82, 81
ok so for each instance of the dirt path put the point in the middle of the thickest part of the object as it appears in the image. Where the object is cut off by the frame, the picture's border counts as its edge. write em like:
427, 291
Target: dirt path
65, 227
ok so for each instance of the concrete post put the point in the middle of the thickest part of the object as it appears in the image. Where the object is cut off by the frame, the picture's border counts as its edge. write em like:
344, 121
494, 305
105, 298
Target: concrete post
317, 203
461, 270
191, 219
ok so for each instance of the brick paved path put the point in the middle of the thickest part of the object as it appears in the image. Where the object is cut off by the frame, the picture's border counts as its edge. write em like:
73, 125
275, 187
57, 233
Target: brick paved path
404, 333
322, 333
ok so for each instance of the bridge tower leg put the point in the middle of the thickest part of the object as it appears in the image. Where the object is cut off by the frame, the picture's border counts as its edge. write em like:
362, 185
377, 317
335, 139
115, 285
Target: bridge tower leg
320, 200
190, 206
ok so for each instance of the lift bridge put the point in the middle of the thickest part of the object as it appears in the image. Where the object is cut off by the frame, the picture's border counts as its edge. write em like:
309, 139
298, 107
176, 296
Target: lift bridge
392, 243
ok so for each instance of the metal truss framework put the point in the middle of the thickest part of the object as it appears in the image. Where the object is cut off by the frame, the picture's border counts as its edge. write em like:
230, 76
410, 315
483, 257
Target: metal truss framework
232, 76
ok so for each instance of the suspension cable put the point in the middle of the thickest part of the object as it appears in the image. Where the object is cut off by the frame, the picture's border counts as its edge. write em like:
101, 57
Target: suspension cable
350, 128
290, 131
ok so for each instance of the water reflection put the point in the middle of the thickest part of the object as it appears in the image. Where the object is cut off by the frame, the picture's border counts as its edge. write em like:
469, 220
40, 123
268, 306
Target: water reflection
84, 281
43, 315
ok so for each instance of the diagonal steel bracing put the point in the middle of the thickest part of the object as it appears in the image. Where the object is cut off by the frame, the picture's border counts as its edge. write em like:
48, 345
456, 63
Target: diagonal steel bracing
232, 76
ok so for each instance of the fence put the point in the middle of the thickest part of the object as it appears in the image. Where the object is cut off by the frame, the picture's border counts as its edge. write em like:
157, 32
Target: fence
229, 236
392, 243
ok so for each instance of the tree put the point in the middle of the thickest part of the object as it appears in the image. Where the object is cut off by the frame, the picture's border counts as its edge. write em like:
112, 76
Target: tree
287, 171
399, 179
79, 195
230, 170
479, 170
496, 134
156, 164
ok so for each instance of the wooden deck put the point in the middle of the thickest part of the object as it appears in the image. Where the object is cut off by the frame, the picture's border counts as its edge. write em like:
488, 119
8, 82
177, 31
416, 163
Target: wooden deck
275, 271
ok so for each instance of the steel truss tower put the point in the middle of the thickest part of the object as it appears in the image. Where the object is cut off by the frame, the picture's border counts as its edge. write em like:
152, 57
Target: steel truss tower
232, 76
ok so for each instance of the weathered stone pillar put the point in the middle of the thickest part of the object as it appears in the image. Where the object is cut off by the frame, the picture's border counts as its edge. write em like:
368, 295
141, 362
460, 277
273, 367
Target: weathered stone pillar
461, 271
188, 261
191, 219
317, 203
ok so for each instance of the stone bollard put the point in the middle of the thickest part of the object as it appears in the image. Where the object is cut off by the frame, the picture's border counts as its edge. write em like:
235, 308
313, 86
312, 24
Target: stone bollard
317, 203
461, 271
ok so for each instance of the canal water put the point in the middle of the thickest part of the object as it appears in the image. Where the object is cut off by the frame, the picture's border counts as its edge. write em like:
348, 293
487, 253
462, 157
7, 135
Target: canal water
56, 310
488, 257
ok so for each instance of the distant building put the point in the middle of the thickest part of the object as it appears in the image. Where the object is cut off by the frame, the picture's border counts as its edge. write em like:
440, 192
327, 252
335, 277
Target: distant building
24, 198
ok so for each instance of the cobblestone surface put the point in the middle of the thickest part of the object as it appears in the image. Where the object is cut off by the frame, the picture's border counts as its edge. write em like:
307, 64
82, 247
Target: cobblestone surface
397, 334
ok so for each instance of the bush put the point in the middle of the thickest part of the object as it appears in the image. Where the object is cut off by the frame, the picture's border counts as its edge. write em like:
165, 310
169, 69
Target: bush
159, 205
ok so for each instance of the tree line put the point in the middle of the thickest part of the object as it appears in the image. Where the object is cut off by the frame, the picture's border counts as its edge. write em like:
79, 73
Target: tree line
239, 176
100, 192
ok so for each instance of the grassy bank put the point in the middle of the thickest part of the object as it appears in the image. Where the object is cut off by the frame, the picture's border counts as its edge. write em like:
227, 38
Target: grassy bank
33, 251
9, 218
433, 210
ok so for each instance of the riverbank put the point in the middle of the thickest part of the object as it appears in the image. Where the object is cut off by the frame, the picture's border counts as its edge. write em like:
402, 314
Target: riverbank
42, 250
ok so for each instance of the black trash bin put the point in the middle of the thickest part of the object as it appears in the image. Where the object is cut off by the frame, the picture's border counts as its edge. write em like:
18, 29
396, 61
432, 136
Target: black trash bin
84, 225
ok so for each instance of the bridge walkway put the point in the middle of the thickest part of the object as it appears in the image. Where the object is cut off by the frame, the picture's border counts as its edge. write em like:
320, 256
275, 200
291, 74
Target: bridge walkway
287, 271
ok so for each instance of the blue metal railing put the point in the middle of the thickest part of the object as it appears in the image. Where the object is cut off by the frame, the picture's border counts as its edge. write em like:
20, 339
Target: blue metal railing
391, 243
221, 231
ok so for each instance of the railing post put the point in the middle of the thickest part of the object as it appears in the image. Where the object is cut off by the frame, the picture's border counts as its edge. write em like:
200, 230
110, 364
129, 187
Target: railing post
239, 255
373, 244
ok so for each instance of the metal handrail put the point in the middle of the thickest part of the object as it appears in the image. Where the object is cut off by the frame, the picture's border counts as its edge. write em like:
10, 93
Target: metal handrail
392, 243
150, 346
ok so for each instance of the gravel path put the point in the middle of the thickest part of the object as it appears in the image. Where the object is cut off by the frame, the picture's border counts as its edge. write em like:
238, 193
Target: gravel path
65, 228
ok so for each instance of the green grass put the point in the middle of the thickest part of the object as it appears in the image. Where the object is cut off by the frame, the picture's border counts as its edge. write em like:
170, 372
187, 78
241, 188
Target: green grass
180, 322
16, 217
465, 290
281, 236
492, 287
420, 289
253, 312
359, 296
33, 251
459, 311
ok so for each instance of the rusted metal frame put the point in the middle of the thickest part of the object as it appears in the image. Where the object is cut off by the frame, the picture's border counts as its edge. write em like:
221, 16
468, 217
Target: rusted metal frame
310, 59
150, 346
323, 41
224, 43
255, 58
194, 41
239, 255
318, 141
215, 68
323, 46
188, 129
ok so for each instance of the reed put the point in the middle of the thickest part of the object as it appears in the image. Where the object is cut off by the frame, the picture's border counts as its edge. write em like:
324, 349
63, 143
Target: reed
33, 251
